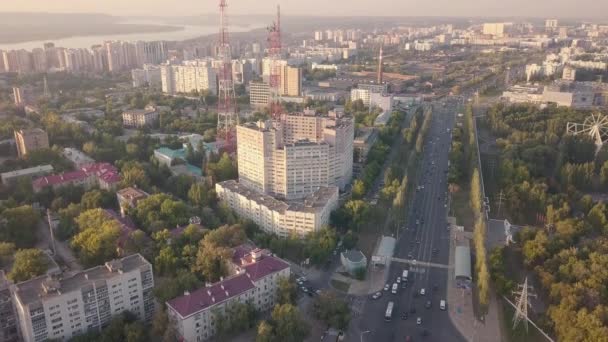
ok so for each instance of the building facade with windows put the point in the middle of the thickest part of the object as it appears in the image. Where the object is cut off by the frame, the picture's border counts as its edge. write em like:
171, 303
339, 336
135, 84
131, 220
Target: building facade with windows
254, 280
28, 140
51, 307
140, 117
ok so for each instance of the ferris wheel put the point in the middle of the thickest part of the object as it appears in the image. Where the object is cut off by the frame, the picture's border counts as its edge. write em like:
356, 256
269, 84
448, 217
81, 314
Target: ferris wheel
595, 126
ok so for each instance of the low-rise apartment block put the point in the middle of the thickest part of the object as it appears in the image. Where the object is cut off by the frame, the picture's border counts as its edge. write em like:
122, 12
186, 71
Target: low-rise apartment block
140, 117
59, 308
103, 175
255, 279
282, 218
12, 177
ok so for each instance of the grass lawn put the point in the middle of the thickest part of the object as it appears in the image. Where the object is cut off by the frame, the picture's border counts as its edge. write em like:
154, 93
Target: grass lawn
340, 285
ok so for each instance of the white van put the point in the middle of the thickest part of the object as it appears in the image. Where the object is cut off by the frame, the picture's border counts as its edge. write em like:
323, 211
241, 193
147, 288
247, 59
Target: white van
404, 275
442, 305
394, 289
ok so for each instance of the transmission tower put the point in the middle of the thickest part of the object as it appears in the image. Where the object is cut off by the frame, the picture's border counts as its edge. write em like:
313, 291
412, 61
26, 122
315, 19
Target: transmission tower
379, 76
521, 308
46, 93
274, 54
227, 117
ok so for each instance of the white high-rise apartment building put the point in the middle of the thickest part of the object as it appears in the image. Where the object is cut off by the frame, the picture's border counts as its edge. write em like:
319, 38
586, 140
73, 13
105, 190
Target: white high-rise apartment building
58, 309
494, 29
292, 157
191, 76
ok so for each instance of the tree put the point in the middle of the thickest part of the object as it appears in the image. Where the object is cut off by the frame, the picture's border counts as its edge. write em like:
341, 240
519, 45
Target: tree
223, 170
349, 240
20, 226
97, 199
133, 174
358, 189
7, 249
332, 310
97, 239
286, 292
169, 288
29, 263
201, 195
288, 325
215, 250
265, 332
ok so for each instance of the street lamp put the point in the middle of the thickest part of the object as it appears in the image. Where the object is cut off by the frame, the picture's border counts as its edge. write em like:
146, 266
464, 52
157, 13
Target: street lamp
365, 332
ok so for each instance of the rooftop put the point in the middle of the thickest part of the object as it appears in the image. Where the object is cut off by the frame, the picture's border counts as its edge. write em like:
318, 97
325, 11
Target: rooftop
204, 297
44, 287
35, 169
311, 203
354, 255
104, 171
131, 193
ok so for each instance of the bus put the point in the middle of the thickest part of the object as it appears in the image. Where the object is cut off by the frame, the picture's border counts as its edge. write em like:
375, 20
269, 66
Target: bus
389, 312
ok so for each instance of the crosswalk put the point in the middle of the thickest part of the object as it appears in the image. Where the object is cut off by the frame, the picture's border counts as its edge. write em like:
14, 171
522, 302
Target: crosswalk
419, 264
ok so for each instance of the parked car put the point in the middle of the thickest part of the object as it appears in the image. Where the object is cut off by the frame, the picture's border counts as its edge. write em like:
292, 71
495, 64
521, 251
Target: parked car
422, 291
386, 287
377, 295
418, 320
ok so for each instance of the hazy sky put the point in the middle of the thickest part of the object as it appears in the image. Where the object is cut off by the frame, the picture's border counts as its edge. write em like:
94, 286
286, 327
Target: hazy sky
537, 8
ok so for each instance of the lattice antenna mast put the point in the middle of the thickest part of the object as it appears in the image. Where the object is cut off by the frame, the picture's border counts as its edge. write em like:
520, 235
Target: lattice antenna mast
521, 309
274, 54
227, 118
379, 76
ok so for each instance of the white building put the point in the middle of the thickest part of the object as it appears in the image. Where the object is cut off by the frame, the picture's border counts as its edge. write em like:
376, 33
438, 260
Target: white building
294, 156
140, 117
255, 280
59, 309
149, 75
77, 157
197, 75
12, 177
279, 217
259, 94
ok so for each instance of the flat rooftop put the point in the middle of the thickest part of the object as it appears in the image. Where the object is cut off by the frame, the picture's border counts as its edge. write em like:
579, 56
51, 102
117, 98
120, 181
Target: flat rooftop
35, 290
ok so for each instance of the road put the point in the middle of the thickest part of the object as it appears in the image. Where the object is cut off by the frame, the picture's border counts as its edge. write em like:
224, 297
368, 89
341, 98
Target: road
427, 242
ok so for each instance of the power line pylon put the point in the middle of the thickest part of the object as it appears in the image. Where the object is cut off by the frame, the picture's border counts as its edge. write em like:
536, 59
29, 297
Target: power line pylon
227, 117
274, 54
521, 309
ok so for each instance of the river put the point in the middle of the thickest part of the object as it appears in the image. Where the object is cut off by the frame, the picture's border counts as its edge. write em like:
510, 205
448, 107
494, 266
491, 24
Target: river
186, 32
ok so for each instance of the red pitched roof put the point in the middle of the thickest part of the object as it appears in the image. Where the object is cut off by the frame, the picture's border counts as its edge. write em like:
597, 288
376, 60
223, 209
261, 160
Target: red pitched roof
265, 266
103, 171
204, 297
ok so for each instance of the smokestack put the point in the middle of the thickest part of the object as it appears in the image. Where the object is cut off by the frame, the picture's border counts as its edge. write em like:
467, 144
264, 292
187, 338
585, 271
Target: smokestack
379, 80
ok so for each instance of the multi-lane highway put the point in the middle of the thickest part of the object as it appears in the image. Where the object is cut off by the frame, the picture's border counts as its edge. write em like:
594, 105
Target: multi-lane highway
424, 242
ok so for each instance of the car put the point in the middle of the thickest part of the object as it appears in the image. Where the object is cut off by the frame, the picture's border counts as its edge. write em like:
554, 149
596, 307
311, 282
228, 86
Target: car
304, 289
409, 255
304, 279
414, 262
386, 287
404, 316
422, 291
318, 292
377, 295
299, 282
419, 320
442, 305
398, 280
428, 304
404, 285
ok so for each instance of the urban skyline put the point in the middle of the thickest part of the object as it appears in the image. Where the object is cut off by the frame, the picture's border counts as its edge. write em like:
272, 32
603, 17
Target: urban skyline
461, 8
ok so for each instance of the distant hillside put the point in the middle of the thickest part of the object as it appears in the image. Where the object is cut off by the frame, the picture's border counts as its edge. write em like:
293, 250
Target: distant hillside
23, 27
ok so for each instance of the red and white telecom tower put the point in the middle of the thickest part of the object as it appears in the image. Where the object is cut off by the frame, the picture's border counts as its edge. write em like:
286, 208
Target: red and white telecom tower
227, 117
274, 53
